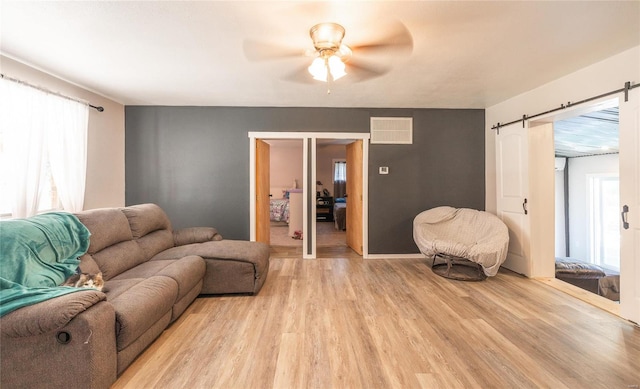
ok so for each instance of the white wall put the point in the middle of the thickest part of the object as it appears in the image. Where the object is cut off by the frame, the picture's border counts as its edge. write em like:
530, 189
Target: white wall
105, 149
601, 77
579, 171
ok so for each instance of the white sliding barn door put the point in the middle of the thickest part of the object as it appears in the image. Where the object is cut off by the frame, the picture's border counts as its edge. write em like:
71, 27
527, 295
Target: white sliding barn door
512, 180
630, 197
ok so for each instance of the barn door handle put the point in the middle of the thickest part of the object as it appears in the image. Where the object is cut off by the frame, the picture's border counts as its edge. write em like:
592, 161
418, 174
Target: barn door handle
625, 222
524, 206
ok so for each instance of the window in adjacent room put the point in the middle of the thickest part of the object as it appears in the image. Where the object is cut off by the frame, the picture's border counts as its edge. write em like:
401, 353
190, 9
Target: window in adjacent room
604, 228
339, 178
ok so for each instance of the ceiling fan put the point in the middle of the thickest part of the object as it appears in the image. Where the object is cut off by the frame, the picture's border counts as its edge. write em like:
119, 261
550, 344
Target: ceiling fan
332, 58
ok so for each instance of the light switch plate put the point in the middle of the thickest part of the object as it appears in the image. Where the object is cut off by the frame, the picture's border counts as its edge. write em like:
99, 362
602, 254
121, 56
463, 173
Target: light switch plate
383, 170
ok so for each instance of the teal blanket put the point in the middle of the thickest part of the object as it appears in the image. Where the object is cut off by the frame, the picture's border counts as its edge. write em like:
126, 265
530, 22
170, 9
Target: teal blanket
38, 254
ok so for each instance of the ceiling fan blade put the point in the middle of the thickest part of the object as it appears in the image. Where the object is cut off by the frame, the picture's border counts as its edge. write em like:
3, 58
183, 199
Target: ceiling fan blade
301, 76
359, 70
264, 51
397, 38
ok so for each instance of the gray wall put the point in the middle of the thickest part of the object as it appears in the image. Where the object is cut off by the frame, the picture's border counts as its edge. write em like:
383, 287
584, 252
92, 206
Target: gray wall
194, 162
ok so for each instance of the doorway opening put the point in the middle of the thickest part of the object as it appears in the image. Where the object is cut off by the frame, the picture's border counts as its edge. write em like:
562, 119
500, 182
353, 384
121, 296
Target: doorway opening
285, 192
263, 190
331, 180
587, 201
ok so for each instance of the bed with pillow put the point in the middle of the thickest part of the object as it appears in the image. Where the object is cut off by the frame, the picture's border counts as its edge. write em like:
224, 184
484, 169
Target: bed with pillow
589, 276
279, 205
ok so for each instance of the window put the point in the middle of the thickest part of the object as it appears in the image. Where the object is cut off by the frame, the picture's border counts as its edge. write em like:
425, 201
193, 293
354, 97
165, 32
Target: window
43, 142
339, 171
47, 192
604, 226
339, 178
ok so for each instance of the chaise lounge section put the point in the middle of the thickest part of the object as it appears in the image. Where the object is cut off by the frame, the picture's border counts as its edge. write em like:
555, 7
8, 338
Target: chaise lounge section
152, 274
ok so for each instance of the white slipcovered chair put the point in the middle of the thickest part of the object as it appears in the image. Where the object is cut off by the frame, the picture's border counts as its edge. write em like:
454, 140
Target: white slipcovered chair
465, 244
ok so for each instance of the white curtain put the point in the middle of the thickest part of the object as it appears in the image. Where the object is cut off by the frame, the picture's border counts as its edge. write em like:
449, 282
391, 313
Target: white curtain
40, 128
67, 147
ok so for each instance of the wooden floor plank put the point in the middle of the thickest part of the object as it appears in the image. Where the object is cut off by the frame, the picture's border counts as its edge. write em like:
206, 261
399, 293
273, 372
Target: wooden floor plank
343, 322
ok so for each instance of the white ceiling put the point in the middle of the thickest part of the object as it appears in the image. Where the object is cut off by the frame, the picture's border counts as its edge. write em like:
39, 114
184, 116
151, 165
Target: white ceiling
466, 54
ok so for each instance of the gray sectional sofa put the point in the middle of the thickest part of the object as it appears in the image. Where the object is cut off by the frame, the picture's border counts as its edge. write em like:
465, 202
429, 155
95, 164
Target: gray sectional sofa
87, 338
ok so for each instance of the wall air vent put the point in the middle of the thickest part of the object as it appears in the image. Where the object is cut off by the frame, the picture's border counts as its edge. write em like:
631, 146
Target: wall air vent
394, 131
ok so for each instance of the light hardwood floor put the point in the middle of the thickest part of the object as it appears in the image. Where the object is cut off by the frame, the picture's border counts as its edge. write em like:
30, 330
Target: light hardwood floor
343, 322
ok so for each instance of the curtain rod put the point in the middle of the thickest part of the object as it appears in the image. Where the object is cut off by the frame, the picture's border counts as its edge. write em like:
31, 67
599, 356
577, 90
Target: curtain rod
626, 89
97, 108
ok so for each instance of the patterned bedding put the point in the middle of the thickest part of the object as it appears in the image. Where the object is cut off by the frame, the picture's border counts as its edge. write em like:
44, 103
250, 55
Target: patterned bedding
279, 210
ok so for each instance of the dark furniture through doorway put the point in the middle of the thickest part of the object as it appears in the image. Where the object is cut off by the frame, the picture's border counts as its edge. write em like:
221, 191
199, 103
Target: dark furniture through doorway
324, 209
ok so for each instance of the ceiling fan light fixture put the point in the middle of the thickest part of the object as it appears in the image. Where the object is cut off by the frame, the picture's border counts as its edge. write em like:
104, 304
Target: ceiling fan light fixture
318, 69
327, 40
336, 67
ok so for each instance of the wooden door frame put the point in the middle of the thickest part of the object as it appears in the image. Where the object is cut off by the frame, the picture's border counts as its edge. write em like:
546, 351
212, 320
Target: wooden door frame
263, 157
543, 265
312, 149
628, 296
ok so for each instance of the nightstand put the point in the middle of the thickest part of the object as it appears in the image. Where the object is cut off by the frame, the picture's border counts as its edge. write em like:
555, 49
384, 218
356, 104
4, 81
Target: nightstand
324, 208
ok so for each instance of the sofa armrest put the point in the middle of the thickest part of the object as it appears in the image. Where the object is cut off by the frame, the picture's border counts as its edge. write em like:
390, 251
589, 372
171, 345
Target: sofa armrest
191, 235
49, 315
80, 354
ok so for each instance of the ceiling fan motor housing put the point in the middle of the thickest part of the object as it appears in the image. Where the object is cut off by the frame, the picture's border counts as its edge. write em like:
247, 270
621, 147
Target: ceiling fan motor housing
327, 37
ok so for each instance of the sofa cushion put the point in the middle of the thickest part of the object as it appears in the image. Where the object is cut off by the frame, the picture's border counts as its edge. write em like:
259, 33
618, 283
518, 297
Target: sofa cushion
138, 304
116, 287
155, 242
118, 258
146, 218
186, 272
236, 266
88, 264
195, 235
151, 228
240, 250
108, 226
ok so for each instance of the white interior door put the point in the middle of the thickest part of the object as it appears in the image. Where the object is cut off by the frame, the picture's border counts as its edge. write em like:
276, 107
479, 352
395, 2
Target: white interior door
512, 180
630, 197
